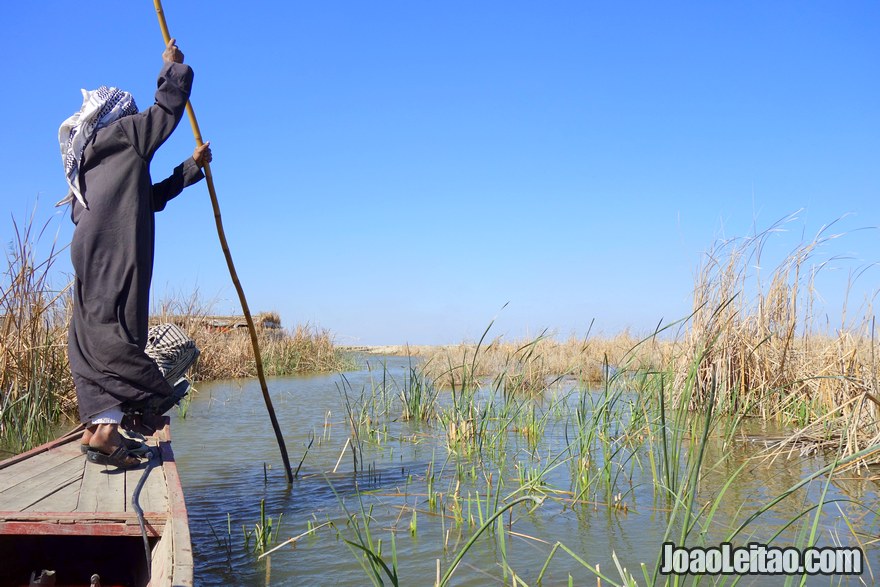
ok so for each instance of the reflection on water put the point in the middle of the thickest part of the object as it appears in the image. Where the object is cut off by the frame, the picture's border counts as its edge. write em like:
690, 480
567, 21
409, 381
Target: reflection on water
229, 461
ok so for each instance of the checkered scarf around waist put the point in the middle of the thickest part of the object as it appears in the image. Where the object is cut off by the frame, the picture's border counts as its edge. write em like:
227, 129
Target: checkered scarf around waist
172, 350
99, 108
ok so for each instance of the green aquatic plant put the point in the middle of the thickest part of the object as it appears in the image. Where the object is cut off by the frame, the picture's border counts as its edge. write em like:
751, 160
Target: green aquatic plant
634, 435
456, 560
262, 534
224, 542
414, 523
367, 412
369, 548
418, 396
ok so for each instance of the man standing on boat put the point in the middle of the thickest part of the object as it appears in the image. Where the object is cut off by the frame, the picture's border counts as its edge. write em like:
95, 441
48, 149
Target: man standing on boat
106, 148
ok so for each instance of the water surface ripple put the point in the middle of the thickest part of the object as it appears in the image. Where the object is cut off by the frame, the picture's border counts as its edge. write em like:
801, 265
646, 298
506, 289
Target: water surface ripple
229, 461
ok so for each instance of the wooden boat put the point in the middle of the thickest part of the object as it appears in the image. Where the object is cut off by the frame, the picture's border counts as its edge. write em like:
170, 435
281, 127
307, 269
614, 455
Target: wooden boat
60, 513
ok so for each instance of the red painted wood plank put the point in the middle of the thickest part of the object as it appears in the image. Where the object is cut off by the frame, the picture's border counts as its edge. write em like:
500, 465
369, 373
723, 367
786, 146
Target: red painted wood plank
94, 529
81, 517
182, 544
72, 524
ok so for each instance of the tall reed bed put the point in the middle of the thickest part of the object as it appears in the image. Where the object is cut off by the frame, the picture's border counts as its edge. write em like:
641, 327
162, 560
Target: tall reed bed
532, 364
227, 353
757, 331
36, 388
634, 429
756, 326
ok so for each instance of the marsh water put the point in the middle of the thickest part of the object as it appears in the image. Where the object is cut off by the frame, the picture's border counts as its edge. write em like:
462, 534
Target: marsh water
430, 500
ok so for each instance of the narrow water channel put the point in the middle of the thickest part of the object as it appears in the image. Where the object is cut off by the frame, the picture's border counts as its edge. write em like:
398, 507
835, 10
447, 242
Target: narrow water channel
409, 484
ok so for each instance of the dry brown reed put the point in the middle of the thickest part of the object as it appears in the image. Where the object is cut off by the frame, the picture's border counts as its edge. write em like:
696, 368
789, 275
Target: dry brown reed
762, 338
761, 341
33, 319
226, 353
35, 382
530, 365
230, 354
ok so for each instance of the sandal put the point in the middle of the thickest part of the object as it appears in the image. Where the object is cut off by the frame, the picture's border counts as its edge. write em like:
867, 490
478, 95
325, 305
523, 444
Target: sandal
133, 446
131, 434
119, 458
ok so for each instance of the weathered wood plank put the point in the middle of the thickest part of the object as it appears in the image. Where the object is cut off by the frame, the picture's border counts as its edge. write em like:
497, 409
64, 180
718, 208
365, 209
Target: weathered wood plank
163, 565
65, 495
183, 573
63, 500
154, 493
25, 494
70, 449
67, 438
35, 466
156, 490
102, 489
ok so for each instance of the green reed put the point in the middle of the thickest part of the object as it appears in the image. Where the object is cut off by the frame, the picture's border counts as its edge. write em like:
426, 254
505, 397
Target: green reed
489, 521
367, 548
262, 534
418, 396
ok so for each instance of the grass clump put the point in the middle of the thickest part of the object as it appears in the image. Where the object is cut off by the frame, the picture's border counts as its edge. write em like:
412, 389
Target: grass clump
265, 532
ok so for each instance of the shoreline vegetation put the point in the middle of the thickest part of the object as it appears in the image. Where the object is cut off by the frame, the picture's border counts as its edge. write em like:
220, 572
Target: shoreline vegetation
752, 338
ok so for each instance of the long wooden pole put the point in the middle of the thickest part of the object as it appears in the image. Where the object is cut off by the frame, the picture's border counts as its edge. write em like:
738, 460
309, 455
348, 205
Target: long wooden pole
225, 246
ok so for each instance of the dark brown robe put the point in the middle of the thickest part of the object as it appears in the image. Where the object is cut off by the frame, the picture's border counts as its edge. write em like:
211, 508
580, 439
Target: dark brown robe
112, 250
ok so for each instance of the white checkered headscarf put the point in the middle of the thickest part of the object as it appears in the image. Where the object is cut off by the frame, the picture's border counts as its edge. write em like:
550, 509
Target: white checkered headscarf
99, 108
172, 349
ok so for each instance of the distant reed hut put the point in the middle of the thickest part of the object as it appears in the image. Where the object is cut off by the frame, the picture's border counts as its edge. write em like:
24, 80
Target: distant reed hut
269, 322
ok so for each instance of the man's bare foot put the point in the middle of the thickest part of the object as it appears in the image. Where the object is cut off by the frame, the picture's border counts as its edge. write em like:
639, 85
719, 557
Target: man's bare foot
105, 438
87, 434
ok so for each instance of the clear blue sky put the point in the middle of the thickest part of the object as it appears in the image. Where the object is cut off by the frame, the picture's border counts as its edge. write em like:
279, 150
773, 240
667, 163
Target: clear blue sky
398, 171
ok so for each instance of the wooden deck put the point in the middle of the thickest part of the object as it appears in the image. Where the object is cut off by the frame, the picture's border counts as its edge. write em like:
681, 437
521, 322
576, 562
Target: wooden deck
53, 491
